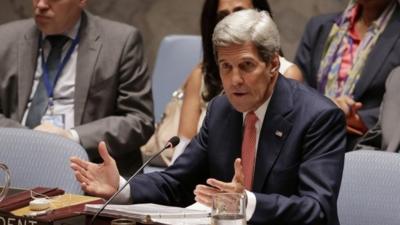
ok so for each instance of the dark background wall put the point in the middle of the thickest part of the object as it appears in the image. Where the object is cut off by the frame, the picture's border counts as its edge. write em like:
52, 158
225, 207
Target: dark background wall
157, 18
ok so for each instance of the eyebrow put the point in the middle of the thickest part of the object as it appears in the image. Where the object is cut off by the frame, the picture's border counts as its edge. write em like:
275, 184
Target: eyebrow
221, 14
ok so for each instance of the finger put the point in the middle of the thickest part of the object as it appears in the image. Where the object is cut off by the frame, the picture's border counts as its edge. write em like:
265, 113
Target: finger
104, 153
341, 103
222, 186
79, 162
204, 201
239, 175
357, 106
74, 167
81, 179
205, 190
349, 101
84, 187
86, 174
352, 130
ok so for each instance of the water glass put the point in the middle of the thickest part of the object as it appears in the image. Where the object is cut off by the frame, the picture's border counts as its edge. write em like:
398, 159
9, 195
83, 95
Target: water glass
7, 181
228, 209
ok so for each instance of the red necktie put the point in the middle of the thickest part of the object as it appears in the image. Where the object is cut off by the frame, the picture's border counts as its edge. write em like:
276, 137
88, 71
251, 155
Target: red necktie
249, 148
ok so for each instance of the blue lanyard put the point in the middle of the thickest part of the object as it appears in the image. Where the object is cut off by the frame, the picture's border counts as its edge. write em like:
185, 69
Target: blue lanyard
49, 86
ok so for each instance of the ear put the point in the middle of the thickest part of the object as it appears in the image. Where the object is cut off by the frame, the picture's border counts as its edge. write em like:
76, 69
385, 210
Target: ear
275, 63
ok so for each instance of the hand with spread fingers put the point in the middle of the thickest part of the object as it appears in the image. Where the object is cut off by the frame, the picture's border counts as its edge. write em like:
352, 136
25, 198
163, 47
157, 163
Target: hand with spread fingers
204, 193
97, 179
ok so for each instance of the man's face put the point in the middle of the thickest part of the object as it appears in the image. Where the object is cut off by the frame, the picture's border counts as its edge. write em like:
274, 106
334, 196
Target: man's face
247, 80
57, 16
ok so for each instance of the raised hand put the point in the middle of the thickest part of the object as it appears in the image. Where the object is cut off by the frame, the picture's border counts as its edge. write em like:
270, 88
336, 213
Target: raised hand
100, 180
204, 193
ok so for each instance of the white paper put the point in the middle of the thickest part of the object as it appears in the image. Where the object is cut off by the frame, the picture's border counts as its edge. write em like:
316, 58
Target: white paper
150, 211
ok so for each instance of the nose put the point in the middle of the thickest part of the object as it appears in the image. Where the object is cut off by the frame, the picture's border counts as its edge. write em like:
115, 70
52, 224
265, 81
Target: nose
42, 4
237, 77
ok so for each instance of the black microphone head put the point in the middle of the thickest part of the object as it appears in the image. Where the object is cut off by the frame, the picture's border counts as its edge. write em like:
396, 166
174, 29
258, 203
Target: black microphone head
174, 141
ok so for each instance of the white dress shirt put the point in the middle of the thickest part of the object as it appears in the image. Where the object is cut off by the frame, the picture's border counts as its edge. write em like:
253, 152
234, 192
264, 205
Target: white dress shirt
64, 91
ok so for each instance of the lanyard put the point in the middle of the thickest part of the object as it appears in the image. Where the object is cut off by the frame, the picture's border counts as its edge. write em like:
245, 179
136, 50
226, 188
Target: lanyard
49, 86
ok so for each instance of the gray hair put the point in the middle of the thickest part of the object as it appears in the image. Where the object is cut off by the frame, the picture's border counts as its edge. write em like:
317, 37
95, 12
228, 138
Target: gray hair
248, 26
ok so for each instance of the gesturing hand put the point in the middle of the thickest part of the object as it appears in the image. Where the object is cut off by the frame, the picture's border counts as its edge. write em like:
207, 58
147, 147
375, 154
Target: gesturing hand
350, 107
204, 193
97, 179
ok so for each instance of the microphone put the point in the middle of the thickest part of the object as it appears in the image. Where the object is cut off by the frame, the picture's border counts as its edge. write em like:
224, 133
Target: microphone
172, 142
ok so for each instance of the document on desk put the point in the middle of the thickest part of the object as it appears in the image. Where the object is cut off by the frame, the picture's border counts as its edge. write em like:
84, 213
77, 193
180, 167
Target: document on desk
153, 212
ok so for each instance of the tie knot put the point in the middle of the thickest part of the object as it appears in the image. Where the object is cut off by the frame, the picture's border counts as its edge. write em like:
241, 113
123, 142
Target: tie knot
57, 41
251, 119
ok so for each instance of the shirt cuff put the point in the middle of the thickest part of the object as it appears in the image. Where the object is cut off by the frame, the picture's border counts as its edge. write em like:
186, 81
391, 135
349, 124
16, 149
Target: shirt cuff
180, 148
124, 197
251, 204
75, 136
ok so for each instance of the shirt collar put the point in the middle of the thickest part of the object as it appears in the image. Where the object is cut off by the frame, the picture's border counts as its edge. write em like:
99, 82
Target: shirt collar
260, 111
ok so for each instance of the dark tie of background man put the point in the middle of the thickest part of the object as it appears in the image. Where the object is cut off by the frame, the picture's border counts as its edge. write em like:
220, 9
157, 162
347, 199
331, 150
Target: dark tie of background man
40, 99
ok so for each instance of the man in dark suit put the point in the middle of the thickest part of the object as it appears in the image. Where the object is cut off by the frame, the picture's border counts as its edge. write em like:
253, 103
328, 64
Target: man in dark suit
362, 105
385, 135
99, 89
288, 158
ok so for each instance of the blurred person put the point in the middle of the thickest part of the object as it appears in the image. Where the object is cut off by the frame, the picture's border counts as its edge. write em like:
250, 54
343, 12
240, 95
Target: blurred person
385, 135
347, 57
287, 158
79, 76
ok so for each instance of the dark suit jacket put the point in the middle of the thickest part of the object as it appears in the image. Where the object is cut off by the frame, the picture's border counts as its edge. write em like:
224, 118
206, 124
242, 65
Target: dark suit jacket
386, 133
113, 100
381, 60
297, 174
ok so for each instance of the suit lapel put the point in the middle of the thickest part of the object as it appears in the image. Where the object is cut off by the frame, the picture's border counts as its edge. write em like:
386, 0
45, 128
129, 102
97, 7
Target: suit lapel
27, 59
273, 133
379, 53
89, 48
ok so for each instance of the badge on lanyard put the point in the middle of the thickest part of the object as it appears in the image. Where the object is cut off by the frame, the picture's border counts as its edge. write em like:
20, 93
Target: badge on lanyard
57, 120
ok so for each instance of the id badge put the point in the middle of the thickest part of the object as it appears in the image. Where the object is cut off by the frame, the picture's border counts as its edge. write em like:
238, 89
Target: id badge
57, 120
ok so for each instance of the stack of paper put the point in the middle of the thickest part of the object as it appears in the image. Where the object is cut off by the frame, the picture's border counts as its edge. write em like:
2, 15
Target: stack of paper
152, 212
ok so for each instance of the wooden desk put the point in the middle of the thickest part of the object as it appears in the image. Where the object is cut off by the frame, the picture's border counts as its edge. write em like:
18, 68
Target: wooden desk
79, 219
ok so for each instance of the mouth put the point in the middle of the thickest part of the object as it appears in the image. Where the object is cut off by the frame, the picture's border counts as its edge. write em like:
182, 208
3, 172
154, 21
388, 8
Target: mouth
41, 18
239, 93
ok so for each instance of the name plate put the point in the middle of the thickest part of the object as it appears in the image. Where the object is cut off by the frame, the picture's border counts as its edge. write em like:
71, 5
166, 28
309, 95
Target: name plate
10, 219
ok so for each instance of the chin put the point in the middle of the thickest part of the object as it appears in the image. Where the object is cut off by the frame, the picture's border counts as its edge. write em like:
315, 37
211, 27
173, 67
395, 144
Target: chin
240, 108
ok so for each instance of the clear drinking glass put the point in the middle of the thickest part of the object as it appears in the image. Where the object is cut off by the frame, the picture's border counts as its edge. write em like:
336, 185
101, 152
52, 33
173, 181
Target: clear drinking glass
123, 221
7, 181
228, 209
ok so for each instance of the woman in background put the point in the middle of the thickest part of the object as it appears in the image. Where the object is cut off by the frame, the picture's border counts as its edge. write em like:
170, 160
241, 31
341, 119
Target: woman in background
348, 57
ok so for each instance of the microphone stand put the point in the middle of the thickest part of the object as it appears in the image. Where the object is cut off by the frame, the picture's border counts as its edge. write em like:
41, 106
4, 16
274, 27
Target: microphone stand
170, 144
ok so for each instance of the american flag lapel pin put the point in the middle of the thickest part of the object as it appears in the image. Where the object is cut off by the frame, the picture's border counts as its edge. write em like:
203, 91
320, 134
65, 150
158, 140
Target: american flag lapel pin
279, 133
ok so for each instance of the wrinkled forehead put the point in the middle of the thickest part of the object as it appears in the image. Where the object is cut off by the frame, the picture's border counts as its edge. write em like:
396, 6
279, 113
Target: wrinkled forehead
237, 52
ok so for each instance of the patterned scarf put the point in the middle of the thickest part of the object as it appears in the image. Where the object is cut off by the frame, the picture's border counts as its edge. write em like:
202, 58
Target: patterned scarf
335, 46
